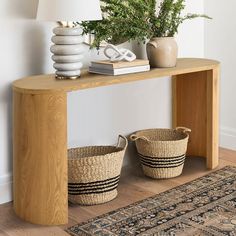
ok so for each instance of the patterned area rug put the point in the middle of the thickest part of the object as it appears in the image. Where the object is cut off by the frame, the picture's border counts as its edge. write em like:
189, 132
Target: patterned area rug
205, 206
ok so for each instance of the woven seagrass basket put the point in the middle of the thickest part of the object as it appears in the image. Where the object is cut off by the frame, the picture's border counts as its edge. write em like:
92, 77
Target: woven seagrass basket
162, 151
94, 172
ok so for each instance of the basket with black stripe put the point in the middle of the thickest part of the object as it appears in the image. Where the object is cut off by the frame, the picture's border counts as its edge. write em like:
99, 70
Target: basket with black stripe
162, 151
94, 172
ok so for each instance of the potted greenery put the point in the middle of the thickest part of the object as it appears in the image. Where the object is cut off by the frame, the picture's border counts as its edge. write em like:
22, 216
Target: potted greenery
126, 20
162, 49
123, 20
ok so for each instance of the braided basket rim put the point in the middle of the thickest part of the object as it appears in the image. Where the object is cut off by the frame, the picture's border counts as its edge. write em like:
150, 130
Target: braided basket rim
165, 130
113, 149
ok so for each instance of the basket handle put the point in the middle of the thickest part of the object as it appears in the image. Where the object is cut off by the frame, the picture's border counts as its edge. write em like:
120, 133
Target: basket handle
134, 137
122, 139
183, 129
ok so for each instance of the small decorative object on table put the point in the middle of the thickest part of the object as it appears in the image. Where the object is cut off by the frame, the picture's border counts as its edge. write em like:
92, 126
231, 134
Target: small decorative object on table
117, 54
121, 61
94, 172
162, 151
68, 48
162, 49
119, 68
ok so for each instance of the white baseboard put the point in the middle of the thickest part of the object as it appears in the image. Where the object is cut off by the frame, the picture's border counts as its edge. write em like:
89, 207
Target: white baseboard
228, 138
5, 188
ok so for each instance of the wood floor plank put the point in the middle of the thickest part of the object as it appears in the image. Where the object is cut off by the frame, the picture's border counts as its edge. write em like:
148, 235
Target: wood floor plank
134, 186
11, 225
199, 170
139, 180
228, 155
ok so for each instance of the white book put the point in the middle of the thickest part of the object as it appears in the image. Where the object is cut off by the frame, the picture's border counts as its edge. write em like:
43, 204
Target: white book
119, 71
108, 65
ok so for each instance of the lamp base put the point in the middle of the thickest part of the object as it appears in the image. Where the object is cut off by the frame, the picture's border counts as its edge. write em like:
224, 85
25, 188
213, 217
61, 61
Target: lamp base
60, 77
68, 52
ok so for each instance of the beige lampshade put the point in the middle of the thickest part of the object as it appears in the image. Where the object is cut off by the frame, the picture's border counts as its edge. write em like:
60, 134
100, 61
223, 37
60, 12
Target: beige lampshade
69, 10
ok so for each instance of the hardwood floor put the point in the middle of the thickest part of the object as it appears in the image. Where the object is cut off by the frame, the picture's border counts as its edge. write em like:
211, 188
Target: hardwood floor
134, 186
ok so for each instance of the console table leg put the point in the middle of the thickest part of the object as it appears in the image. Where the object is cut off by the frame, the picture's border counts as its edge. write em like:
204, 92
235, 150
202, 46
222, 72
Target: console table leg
40, 157
195, 105
213, 77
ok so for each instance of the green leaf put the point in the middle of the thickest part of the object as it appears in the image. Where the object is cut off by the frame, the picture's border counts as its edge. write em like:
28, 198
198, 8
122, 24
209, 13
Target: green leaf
125, 20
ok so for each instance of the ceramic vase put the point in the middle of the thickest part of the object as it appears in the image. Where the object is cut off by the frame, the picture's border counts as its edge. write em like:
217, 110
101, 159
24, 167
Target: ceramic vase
162, 52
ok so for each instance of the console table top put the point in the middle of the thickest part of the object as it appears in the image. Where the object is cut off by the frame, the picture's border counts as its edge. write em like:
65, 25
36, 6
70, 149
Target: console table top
41, 84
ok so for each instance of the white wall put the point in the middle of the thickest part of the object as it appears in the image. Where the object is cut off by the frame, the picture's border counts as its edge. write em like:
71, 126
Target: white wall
24, 51
95, 116
220, 44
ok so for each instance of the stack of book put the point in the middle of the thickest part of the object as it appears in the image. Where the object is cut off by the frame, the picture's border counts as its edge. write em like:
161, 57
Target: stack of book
119, 68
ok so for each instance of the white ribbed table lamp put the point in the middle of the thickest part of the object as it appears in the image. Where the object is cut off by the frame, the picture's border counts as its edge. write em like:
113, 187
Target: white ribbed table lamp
68, 49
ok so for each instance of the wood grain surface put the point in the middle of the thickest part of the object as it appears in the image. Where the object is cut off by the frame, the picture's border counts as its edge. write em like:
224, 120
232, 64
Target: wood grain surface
196, 106
40, 158
213, 85
48, 84
191, 109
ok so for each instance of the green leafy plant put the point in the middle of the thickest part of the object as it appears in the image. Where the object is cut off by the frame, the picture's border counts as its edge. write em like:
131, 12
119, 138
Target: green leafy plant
169, 18
125, 20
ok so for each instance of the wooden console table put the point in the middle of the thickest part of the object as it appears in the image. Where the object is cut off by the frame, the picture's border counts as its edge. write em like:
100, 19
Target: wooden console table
40, 130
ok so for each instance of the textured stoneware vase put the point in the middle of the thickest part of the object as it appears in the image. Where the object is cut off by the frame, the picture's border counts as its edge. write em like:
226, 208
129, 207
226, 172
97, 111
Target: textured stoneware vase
162, 52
